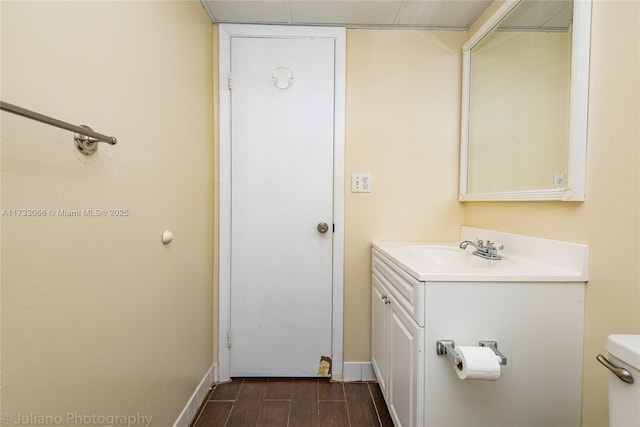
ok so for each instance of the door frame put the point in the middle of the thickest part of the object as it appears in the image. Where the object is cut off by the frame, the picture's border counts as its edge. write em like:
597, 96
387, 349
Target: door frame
225, 33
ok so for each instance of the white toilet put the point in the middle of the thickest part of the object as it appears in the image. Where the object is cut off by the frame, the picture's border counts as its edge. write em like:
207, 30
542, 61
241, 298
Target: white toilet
624, 380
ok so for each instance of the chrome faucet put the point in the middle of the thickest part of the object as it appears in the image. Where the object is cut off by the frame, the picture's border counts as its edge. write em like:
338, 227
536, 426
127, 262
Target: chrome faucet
486, 251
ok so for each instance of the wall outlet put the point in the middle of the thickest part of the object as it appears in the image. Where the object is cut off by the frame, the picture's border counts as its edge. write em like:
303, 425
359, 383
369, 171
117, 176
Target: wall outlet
558, 179
361, 182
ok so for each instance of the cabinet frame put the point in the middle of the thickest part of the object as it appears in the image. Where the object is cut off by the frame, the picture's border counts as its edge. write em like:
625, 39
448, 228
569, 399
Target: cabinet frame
400, 372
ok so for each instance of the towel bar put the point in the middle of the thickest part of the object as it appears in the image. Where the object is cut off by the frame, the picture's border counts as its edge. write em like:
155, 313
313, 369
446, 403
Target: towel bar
85, 138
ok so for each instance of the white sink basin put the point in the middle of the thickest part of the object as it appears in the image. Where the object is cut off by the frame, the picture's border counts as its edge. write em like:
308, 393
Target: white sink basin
449, 255
529, 260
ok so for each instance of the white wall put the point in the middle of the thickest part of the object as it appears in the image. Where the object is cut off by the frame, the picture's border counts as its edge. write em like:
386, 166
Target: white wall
98, 317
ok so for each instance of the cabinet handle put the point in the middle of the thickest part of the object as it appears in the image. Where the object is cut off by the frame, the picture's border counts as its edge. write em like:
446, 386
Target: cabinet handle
386, 299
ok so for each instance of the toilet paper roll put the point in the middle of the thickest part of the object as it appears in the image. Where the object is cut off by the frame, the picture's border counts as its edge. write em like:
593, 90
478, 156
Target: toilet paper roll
478, 363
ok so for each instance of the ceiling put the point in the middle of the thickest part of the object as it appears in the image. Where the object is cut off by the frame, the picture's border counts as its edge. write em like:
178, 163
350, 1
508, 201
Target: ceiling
548, 16
432, 14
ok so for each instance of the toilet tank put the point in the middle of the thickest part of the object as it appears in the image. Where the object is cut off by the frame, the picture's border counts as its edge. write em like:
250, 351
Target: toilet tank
624, 398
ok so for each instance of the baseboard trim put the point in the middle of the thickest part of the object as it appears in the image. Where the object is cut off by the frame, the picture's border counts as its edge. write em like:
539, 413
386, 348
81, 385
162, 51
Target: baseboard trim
358, 371
198, 396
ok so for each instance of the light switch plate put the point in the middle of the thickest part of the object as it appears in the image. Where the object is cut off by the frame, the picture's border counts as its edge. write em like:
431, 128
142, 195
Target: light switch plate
361, 182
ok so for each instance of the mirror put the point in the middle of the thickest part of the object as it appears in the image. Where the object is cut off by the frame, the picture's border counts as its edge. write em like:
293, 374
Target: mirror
524, 106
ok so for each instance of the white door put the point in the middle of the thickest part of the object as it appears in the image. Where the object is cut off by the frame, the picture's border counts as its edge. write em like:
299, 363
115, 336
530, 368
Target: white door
282, 134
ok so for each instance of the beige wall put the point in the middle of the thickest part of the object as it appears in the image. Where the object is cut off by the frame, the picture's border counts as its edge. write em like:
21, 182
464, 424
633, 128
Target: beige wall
609, 219
98, 317
402, 125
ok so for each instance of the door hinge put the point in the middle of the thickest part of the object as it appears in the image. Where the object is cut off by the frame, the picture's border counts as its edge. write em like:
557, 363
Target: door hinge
229, 81
229, 338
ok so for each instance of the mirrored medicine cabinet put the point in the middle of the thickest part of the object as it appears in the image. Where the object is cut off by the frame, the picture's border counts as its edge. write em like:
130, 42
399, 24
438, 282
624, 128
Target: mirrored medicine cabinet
524, 103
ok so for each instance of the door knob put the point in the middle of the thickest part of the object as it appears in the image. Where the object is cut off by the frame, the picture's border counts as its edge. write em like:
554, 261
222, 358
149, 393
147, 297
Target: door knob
323, 227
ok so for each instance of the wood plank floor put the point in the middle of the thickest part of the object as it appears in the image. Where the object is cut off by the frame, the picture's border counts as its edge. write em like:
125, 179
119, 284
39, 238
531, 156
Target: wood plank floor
293, 402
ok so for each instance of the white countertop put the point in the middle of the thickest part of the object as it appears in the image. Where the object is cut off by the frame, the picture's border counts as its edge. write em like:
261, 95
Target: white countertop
446, 262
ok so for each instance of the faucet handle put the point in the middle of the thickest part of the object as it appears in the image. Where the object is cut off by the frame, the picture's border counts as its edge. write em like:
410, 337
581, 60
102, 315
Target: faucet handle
479, 242
494, 247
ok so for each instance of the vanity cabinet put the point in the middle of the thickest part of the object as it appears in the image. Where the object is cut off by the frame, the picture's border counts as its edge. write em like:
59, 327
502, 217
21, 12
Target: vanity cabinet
397, 342
531, 305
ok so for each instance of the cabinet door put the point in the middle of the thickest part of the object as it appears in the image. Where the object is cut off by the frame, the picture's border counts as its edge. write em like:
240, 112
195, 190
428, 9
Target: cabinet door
405, 386
379, 322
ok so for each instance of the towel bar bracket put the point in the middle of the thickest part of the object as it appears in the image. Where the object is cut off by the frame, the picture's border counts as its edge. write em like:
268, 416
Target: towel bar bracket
84, 143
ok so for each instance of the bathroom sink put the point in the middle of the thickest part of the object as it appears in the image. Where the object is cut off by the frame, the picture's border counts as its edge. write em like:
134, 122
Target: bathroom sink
524, 259
446, 255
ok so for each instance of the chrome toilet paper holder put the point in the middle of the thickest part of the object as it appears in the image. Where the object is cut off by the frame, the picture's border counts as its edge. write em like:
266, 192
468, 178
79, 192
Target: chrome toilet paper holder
446, 348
